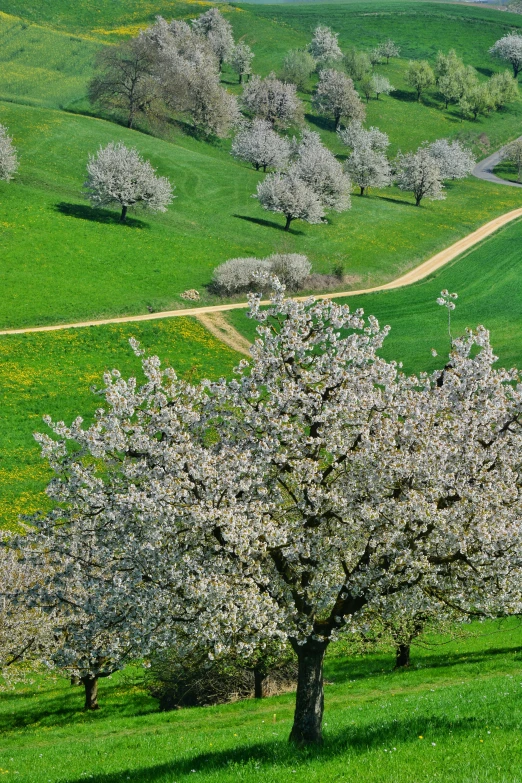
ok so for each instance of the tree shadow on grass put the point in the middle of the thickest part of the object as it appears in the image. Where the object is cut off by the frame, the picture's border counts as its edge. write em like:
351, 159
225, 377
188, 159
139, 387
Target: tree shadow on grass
398, 201
96, 215
268, 224
341, 670
320, 122
355, 737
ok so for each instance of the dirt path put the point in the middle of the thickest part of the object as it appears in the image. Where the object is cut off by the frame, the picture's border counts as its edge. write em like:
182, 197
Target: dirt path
420, 272
217, 325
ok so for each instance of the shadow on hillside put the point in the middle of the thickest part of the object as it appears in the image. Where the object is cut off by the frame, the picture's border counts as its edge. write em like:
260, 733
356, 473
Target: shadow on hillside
320, 122
486, 71
400, 201
96, 215
65, 708
355, 737
268, 224
340, 670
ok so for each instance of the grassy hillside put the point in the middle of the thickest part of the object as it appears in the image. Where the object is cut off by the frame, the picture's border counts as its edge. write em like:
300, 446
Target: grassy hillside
53, 373
455, 716
63, 261
487, 280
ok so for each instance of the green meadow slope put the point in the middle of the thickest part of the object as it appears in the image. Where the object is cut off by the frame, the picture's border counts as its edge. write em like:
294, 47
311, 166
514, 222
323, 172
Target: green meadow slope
455, 716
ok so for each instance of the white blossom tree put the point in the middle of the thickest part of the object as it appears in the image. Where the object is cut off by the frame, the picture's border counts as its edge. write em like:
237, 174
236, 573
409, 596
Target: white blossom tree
381, 85
355, 136
8, 156
509, 49
118, 175
273, 100
259, 144
287, 194
26, 638
240, 60
324, 46
368, 168
321, 171
218, 31
512, 152
390, 49
298, 65
336, 97
453, 159
419, 75
420, 174
294, 499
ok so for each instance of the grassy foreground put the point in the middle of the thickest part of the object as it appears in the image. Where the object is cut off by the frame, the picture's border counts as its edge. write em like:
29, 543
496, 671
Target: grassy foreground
455, 716
53, 373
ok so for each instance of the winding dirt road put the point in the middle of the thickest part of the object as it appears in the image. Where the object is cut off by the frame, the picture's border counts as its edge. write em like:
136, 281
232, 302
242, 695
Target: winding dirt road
420, 272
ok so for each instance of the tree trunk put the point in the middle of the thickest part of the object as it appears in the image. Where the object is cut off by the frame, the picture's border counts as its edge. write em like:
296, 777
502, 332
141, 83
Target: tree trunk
288, 221
91, 692
337, 121
123, 216
309, 702
240, 78
259, 684
418, 200
362, 190
402, 656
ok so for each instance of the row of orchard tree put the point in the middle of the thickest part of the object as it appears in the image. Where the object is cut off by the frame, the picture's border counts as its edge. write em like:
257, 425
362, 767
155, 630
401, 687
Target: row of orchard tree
175, 67
309, 180
319, 493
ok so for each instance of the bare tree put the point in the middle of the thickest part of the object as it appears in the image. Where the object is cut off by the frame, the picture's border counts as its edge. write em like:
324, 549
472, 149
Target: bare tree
126, 79
287, 194
336, 96
273, 100
419, 173
119, 175
8, 156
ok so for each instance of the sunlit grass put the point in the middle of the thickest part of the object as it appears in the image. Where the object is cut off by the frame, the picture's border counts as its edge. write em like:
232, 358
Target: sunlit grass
54, 372
455, 716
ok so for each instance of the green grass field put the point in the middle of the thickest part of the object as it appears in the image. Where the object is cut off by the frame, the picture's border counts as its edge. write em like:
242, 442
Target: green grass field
454, 716
53, 373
